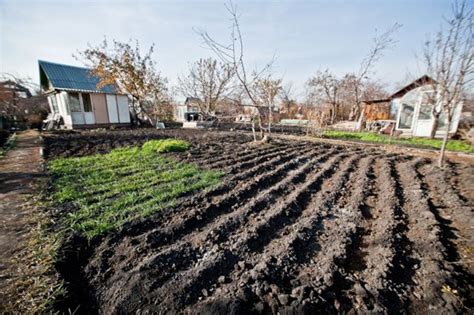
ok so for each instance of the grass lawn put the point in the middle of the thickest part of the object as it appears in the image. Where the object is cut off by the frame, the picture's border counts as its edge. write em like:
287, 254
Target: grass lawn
128, 183
453, 145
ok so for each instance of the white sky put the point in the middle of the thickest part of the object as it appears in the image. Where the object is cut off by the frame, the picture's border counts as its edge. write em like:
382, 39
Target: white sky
306, 36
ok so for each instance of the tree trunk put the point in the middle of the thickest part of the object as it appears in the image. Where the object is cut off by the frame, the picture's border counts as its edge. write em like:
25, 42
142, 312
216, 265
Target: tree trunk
253, 130
333, 114
361, 121
260, 126
354, 111
445, 141
270, 118
434, 126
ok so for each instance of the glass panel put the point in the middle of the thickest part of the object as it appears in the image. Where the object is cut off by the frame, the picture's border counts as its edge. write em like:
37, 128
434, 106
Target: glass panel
86, 102
54, 103
74, 103
406, 117
425, 112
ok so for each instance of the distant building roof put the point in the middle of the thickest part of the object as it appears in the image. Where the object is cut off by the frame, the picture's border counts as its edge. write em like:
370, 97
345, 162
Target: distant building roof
70, 78
417, 83
190, 99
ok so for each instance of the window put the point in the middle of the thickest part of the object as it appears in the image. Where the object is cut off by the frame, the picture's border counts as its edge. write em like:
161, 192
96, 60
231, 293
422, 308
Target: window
74, 103
425, 112
406, 117
54, 103
86, 101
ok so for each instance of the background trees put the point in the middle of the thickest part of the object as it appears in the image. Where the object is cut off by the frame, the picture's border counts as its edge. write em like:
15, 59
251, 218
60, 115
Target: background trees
337, 96
209, 81
123, 65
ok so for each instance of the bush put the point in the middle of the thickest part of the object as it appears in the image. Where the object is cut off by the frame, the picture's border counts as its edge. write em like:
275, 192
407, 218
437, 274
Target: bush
165, 145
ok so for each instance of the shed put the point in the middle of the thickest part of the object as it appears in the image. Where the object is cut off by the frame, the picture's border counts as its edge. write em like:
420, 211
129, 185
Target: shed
412, 106
73, 94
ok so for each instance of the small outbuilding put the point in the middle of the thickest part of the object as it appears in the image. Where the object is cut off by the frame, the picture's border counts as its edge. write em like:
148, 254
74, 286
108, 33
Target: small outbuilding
412, 108
73, 96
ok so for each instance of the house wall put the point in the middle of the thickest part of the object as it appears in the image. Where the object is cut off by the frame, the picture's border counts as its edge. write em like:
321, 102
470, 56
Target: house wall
179, 112
107, 110
100, 108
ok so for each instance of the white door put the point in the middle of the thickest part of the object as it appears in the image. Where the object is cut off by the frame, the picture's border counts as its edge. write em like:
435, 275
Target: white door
424, 121
124, 114
112, 109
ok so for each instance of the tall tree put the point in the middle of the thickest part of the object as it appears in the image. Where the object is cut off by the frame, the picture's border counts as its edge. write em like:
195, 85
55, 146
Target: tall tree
232, 54
449, 59
124, 66
267, 90
326, 88
208, 81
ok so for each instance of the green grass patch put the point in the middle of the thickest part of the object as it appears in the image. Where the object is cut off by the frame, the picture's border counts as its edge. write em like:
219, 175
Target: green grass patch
126, 184
453, 145
165, 145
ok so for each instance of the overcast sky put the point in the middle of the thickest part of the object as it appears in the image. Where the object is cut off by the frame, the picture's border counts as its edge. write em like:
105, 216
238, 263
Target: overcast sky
305, 36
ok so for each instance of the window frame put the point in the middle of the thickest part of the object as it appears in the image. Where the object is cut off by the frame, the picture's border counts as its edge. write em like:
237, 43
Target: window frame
400, 116
88, 96
70, 97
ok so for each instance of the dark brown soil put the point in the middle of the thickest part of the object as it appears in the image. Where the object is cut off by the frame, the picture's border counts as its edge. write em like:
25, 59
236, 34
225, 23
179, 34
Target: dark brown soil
294, 227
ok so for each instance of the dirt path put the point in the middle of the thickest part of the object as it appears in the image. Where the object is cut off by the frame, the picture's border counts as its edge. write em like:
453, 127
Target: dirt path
20, 169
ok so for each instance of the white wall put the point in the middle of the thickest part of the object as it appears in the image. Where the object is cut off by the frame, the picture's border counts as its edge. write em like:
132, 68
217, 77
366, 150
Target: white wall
123, 109
112, 108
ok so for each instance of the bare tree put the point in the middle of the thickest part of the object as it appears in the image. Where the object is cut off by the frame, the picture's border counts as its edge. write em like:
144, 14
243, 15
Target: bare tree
208, 81
449, 59
13, 91
326, 88
380, 44
124, 66
267, 89
232, 54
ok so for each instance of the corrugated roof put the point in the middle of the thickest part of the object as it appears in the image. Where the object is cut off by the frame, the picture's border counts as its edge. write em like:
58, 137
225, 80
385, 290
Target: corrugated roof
71, 78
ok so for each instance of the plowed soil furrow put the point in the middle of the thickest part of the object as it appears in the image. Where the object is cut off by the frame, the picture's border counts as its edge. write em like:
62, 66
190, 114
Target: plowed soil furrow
291, 246
252, 153
323, 275
223, 226
145, 183
424, 235
185, 287
233, 168
232, 157
232, 220
453, 215
293, 227
227, 188
233, 198
377, 286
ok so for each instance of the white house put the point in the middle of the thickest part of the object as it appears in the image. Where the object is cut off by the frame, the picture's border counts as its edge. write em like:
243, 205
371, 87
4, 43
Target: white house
73, 95
413, 109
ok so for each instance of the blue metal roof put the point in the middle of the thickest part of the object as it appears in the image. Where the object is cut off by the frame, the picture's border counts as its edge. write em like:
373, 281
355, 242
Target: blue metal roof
72, 78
